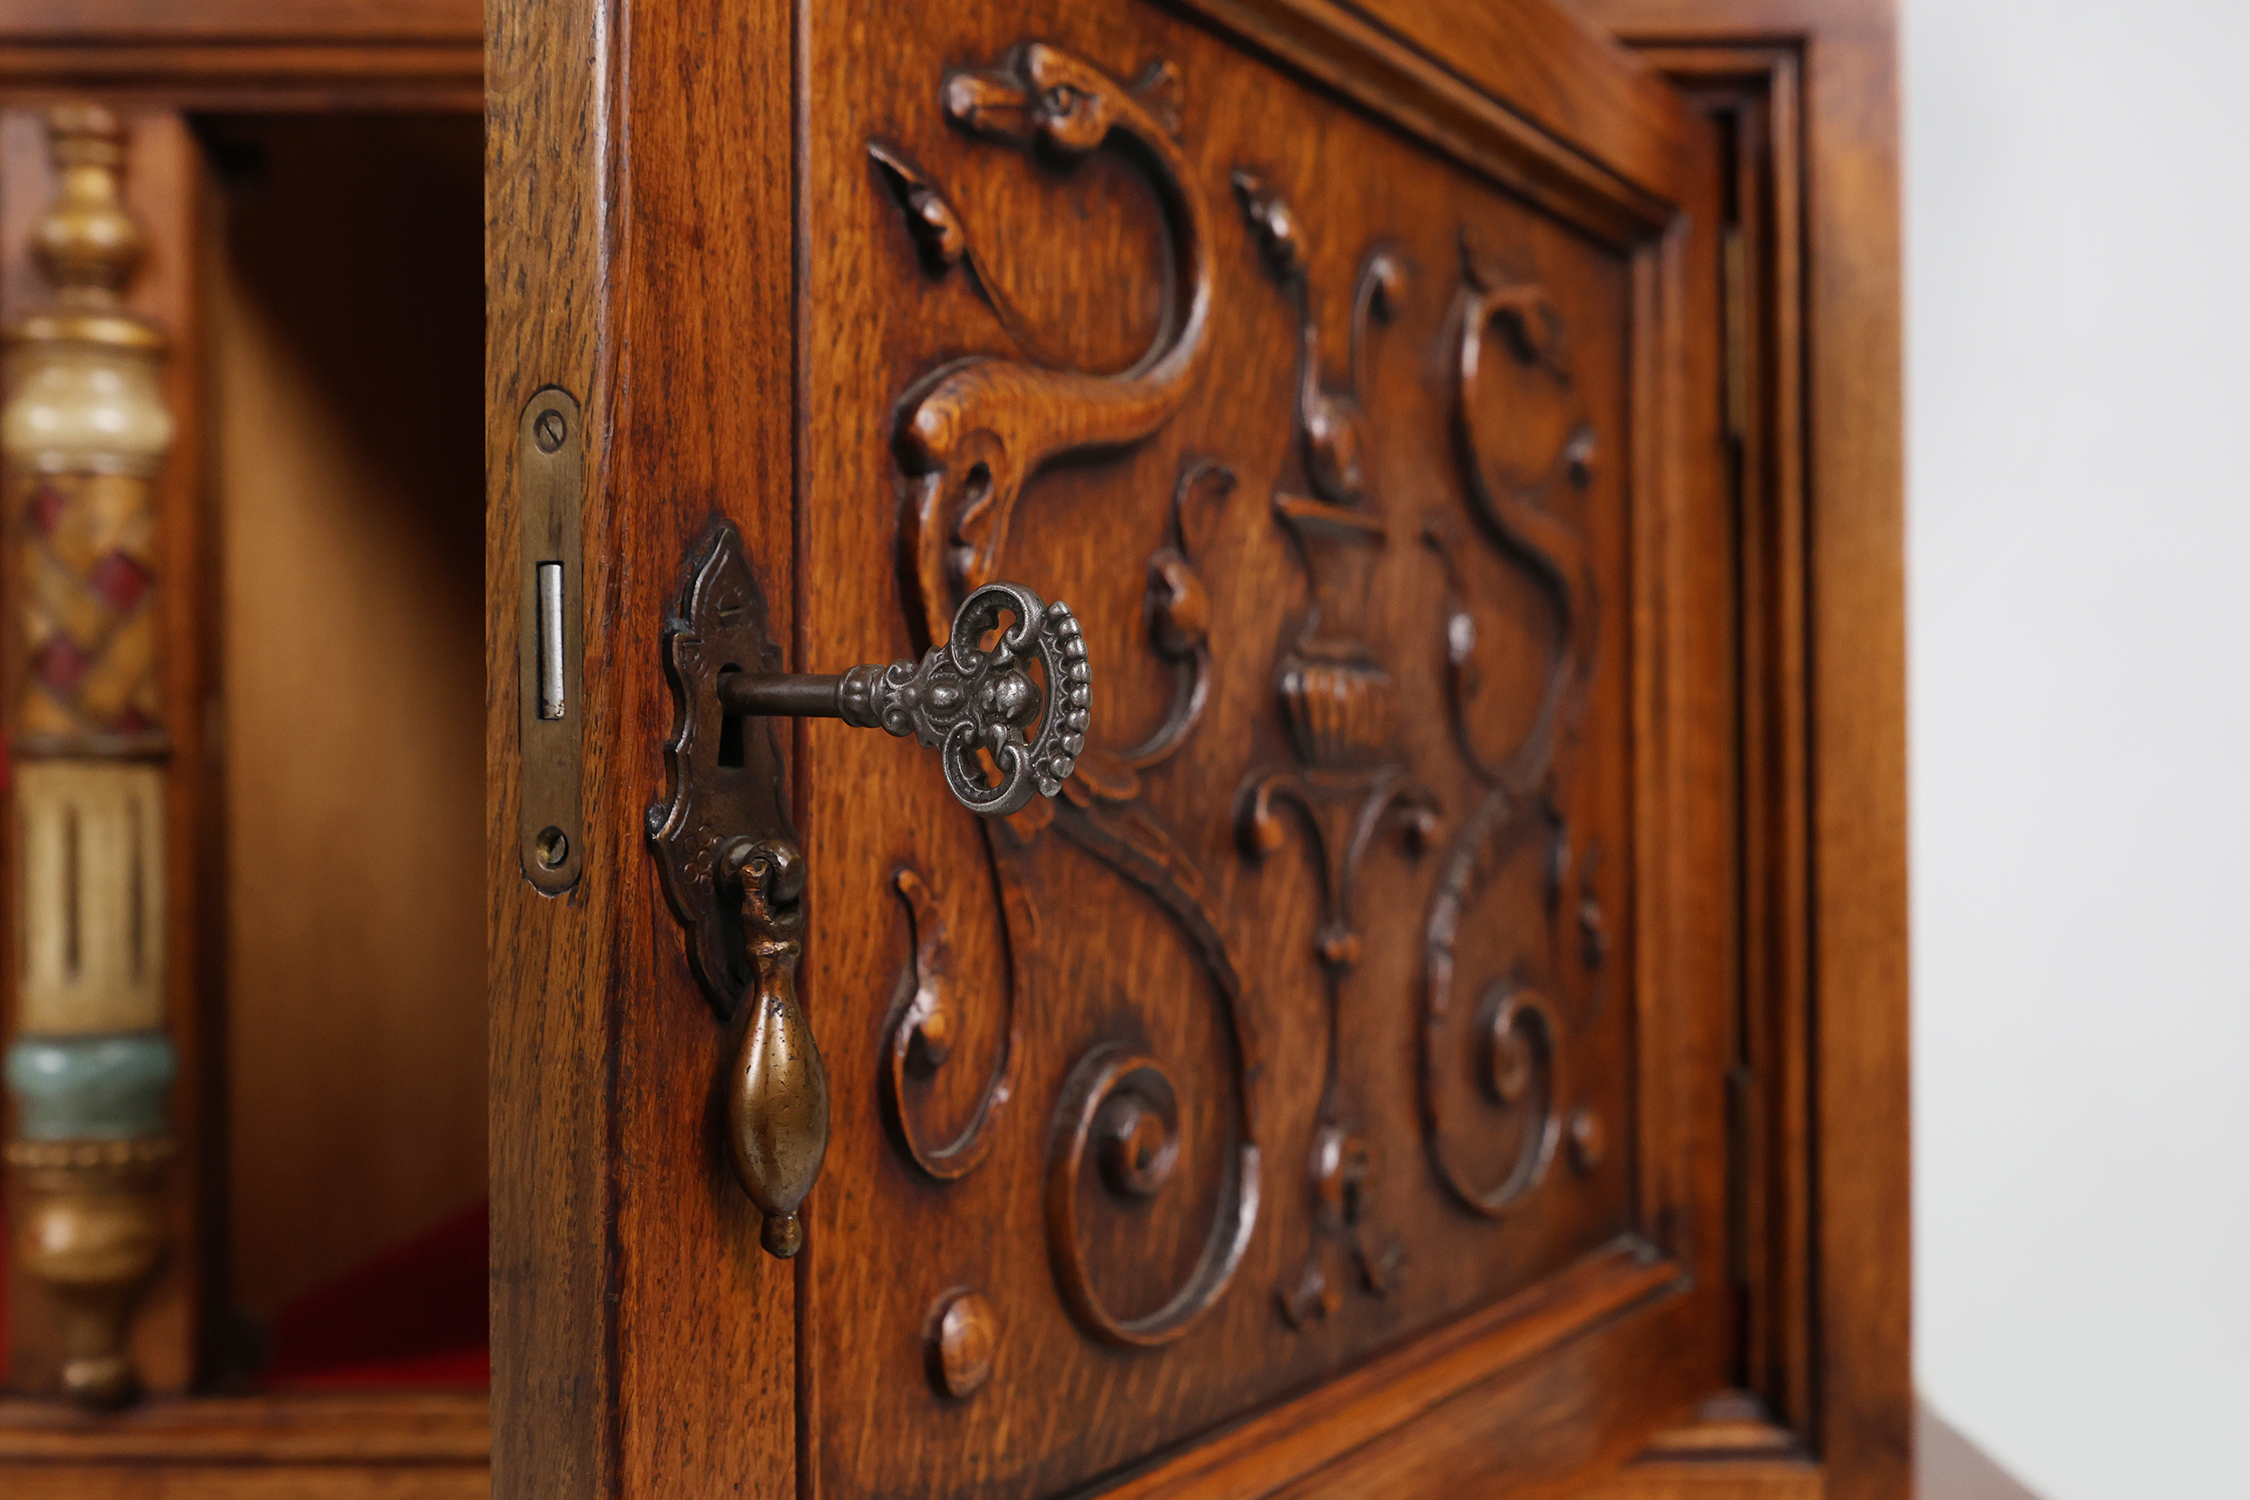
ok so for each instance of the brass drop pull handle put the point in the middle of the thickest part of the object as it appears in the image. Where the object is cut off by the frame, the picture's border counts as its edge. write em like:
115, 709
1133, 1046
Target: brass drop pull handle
961, 698
732, 866
777, 1089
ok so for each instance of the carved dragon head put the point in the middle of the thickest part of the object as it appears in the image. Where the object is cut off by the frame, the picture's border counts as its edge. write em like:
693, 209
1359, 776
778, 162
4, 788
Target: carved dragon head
1059, 102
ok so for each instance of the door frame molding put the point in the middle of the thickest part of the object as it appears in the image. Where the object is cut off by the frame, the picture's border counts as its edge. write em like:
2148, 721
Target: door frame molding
1825, 1159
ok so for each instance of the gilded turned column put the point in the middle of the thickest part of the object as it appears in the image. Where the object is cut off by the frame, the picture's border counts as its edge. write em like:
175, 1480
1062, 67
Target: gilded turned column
83, 434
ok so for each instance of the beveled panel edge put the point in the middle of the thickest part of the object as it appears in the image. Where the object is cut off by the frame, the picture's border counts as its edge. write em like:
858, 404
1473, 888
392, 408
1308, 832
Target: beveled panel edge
1624, 1282
1620, 179
1729, 1448
1727, 1424
1586, 87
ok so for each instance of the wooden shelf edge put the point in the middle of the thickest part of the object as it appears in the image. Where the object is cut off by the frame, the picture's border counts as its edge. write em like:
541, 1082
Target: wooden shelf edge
260, 74
431, 1428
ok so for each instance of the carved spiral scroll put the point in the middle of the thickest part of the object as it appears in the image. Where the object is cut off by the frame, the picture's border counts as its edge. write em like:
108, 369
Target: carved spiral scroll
925, 1024
973, 432
1517, 509
1120, 1105
1518, 1038
1516, 1033
1522, 1070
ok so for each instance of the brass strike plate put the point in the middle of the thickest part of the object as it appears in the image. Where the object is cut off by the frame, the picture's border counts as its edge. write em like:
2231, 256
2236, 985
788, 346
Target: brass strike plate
551, 480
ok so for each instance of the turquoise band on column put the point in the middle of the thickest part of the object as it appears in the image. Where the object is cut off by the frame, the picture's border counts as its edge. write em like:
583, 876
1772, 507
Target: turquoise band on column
102, 1087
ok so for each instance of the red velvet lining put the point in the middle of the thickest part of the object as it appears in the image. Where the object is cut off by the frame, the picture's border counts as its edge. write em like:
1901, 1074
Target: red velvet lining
413, 1316
410, 1318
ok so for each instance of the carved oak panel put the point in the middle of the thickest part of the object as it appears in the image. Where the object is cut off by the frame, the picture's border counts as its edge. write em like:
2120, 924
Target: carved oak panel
1306, 1021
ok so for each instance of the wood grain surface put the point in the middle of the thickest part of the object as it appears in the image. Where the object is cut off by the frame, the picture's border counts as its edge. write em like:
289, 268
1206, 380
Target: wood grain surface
642, 1340
550, 195
341, 21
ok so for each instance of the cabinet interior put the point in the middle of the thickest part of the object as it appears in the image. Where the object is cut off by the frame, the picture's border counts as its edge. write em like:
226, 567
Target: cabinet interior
344, 304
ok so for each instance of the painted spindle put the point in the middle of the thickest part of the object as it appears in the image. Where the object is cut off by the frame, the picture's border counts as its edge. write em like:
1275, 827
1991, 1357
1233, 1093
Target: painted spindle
83, 434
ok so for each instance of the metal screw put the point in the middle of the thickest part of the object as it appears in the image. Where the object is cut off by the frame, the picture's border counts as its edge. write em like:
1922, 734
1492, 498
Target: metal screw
552, 847
550, 430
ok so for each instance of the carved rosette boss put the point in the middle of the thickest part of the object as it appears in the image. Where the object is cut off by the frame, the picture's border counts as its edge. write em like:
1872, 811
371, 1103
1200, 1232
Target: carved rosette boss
84, 433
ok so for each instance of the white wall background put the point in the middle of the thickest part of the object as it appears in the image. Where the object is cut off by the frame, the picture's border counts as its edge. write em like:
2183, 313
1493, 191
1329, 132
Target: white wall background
2078, 378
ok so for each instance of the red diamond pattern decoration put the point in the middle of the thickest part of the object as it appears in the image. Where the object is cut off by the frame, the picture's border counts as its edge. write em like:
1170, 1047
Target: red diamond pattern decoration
83, 590
120, 580
59, 665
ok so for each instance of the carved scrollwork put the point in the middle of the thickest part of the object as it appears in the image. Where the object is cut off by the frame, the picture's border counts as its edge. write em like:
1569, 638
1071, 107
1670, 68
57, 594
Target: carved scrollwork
1121, 1106
1179, 610
969, 436
1338, 699
973, 432
1340, 705
942, 237
930, 217
1332, 425
1179, 630
1342, 1167
1517, 510
926, 1021
1522, 1069
1392, 801
1516, 1031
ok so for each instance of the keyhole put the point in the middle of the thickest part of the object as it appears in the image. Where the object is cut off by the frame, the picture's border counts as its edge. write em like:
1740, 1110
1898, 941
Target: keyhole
731, 728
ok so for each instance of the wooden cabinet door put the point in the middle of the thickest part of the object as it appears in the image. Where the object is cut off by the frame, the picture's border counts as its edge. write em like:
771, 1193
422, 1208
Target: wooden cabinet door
1322, 1094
